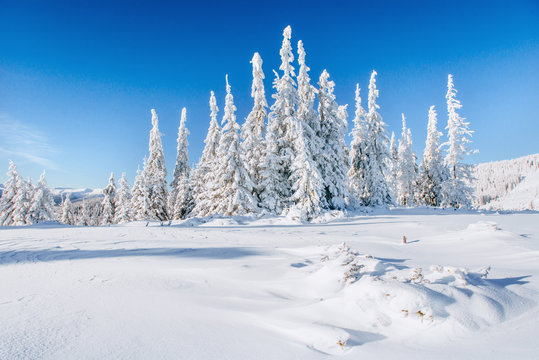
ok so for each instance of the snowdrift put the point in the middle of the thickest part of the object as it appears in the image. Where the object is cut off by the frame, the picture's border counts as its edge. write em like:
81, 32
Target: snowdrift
274, 288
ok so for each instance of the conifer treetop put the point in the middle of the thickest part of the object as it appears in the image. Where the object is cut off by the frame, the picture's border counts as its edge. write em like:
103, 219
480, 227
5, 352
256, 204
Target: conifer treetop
287, 57
373, 93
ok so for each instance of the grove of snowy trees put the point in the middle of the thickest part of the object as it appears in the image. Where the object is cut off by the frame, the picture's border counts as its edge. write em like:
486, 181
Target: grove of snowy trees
290, 158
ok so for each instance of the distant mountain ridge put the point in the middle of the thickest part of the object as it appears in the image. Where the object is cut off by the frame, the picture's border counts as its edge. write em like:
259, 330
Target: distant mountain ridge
508, 184
75, 194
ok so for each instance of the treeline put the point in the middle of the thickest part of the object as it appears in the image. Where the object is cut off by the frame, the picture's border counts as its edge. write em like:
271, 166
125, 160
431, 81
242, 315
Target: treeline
288, 159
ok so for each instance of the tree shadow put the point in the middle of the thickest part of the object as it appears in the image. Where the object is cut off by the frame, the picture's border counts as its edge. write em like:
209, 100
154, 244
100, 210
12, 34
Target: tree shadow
46, 255
504, 282
358, 338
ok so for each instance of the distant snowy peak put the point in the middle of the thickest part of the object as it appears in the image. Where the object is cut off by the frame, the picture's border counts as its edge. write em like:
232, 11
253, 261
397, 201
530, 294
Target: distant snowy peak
508, 185
75, 194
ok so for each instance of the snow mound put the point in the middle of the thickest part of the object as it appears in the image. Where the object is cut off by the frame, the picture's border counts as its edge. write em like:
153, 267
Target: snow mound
351, 298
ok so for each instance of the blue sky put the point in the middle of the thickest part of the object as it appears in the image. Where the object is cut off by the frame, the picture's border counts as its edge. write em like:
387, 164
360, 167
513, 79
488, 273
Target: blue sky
78, 79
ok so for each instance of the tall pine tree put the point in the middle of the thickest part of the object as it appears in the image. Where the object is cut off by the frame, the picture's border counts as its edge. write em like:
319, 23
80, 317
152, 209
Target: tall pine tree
155, 174
333, 159
205, 173
180, 206
67, 213
456, 191
432, 171
7, 201
233, 188
406, 167
140, 196
252, 131
123, 213
109, 202
358, 152
392, 175
276, 181
307, 184
42, 203
375, 191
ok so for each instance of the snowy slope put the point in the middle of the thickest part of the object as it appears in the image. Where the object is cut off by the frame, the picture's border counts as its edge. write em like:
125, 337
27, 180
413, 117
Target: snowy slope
508, 185
272, 288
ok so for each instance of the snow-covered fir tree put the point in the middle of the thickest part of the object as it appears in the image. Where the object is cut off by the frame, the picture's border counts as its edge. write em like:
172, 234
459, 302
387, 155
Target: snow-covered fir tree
252, 131
276, 184
180, 177
109, 202
206, 170
333, 158
393, 167
123, 211
184, 203
406, 167
84, 217
376, 191
67, 214
455, 189
356, 173
307, 184
22, 202
306, 111
155, 174
432, 171
233, 188
11, 188
15, 200
140, 196
42, 203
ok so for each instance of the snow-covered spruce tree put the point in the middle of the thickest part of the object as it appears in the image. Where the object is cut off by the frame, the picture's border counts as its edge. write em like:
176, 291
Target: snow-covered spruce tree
140, 196
406, 168
184, 203
22, 202
276, 184
455, 189
358, 148
393, 167
252, 131
180, 177
205, 172
306, 111
84, 218
333, 159
155, 174
11, 188
41, 204
67, 215
432, 171
109, 202
307, 183
123, 211
233, 188
375, 191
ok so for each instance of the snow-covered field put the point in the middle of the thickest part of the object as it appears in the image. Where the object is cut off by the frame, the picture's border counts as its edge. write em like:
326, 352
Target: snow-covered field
274, 289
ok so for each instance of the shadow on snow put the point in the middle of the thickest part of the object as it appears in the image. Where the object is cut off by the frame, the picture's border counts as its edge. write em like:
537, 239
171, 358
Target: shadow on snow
56, 254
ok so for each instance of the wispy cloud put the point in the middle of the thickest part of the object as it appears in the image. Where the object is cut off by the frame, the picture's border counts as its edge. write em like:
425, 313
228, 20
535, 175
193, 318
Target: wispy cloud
26, 142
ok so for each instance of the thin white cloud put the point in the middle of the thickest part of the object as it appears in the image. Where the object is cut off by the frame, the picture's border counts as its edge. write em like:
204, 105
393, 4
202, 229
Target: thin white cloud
18, 140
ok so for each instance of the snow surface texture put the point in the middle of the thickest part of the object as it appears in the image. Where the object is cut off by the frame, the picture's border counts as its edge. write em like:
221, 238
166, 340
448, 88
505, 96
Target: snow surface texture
465, 285
508, 185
